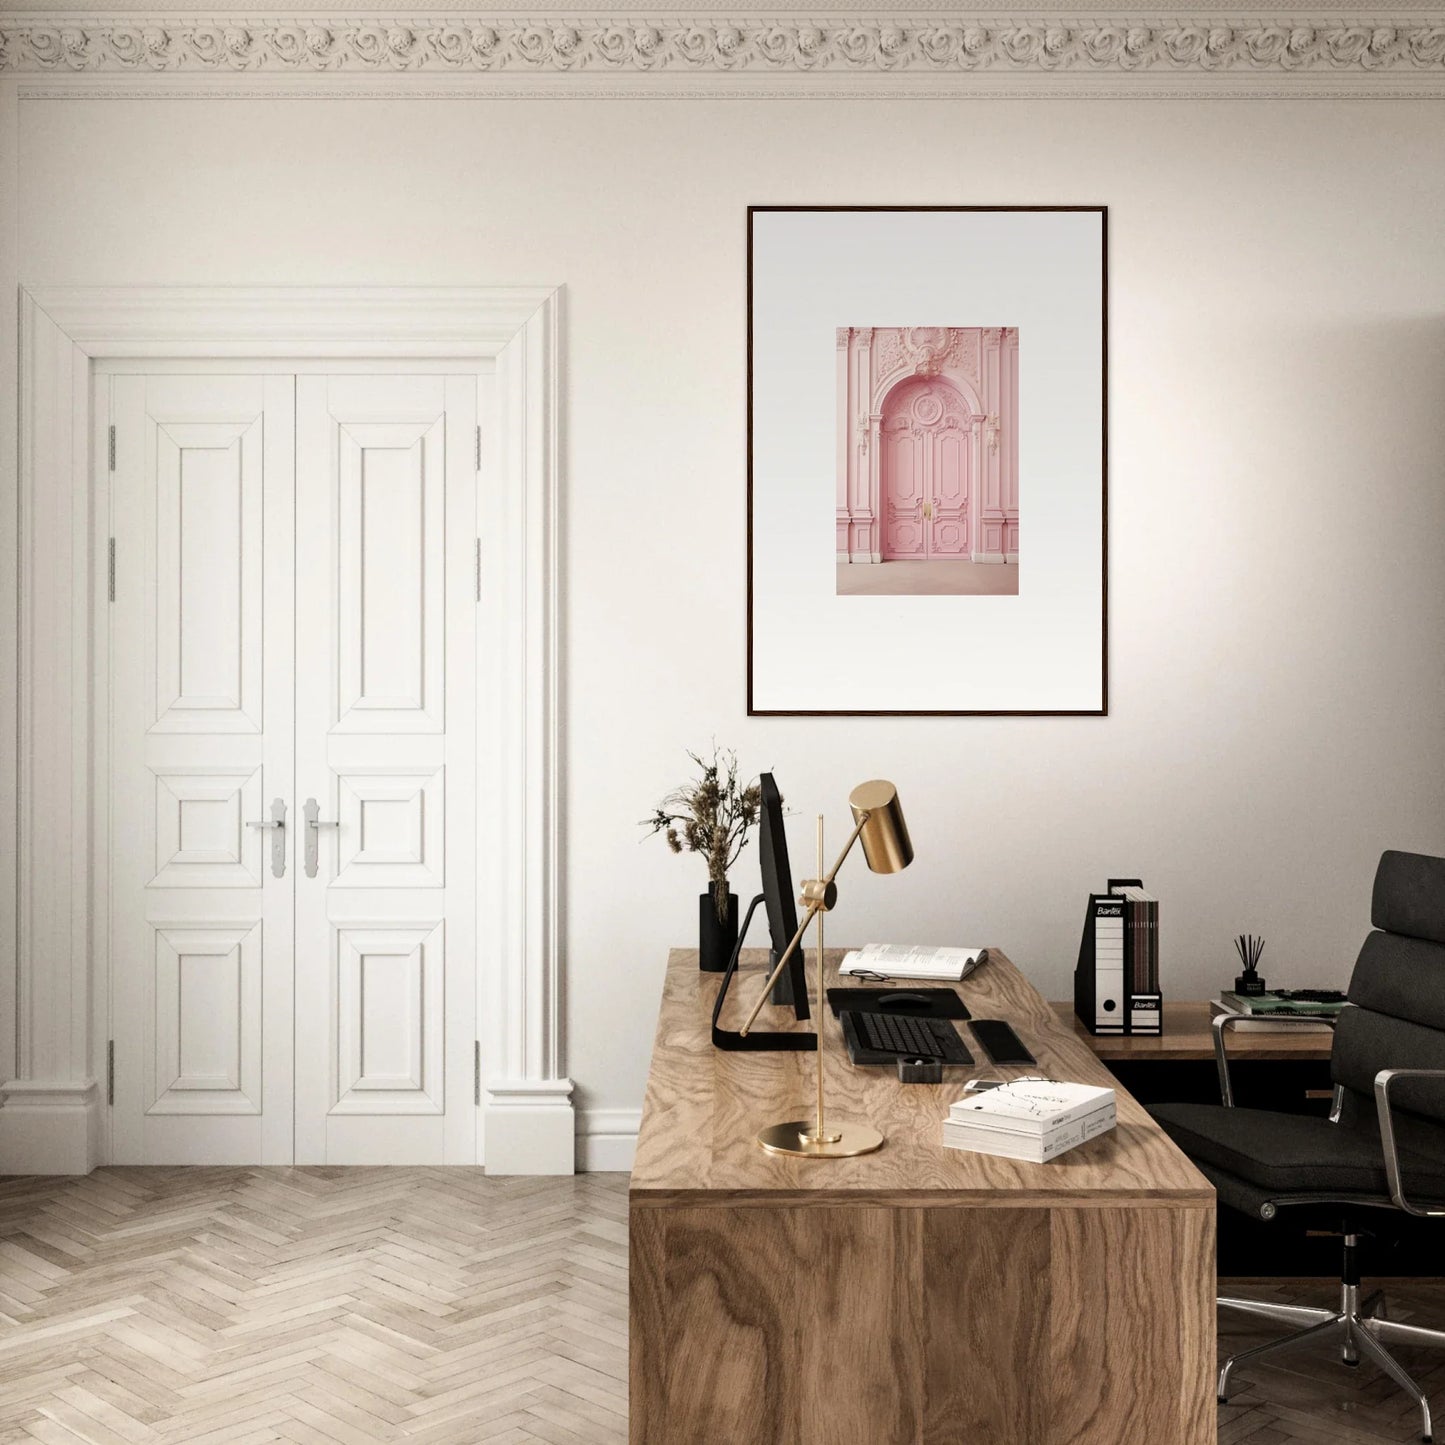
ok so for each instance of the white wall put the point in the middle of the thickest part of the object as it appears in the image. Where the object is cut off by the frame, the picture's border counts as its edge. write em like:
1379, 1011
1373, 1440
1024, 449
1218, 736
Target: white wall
1277, 490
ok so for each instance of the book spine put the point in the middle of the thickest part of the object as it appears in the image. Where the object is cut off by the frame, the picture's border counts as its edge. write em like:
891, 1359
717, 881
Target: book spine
1109, 965
1145, 1004
1084, 971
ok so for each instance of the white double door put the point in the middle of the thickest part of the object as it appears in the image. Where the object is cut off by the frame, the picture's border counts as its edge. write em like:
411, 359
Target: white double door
292, 642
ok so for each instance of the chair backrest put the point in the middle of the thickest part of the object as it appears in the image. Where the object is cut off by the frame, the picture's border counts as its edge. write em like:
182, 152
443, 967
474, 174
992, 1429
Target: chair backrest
1398, 992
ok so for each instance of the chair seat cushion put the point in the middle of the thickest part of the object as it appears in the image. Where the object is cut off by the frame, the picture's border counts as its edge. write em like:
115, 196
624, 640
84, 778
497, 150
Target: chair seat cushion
1300, 1153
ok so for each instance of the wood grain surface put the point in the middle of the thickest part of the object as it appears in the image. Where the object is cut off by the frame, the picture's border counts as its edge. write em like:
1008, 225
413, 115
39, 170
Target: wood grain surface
946, 1325
1188, 1036
704, 1107
919, 1295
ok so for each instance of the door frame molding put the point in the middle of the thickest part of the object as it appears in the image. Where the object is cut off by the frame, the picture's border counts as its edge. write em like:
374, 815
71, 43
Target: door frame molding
52, 1093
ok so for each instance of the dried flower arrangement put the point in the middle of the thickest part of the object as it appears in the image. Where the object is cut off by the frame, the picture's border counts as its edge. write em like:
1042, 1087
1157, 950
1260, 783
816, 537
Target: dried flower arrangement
712, 816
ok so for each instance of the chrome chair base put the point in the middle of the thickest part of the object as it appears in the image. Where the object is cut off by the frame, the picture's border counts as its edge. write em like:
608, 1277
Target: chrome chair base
1361, 1327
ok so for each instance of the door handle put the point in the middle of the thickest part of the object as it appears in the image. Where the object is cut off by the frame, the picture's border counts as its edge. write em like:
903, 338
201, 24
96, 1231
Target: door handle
276, 822
314, 825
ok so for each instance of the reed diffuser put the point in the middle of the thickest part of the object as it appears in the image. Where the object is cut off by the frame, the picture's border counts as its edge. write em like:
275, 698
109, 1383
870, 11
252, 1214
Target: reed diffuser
1249, 948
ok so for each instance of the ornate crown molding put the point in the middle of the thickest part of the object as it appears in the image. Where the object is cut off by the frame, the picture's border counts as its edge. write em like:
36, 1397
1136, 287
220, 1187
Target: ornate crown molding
1176, 46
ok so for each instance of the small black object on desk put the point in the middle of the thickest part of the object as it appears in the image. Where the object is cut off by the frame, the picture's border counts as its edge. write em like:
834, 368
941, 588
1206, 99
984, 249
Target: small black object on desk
1249, 948
1000, 1042
920, 1071
931, 1003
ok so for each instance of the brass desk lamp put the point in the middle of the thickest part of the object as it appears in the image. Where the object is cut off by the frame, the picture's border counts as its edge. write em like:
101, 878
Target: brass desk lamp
878, 823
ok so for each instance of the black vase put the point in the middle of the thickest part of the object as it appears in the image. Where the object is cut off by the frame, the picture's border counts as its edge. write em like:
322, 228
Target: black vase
716, 938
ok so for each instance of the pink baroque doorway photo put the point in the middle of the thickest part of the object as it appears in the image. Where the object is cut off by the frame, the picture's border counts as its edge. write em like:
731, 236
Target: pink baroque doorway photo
928, 464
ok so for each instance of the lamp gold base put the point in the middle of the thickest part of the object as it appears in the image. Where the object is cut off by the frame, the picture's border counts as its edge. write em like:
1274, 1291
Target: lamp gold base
843, 1141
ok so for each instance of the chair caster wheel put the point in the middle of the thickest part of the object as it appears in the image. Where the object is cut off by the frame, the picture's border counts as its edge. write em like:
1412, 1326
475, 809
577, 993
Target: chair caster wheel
1221, 1399
1353, 1364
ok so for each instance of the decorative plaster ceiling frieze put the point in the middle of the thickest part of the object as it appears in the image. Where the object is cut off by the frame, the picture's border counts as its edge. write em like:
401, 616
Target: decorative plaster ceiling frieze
715, 48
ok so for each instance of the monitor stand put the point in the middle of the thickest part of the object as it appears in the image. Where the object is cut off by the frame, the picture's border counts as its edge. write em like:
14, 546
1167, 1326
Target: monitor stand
759, 1040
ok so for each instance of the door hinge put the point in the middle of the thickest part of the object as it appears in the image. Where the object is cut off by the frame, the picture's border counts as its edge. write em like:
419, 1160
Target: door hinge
478, 569
110, 570
479, 449
111, 448
110, 1072
476, 1071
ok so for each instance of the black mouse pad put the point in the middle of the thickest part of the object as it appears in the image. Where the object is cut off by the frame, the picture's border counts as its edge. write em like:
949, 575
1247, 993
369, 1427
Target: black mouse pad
919, 1003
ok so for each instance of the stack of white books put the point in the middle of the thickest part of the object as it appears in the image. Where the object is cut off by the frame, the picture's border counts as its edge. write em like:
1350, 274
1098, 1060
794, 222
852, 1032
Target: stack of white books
1032, 1119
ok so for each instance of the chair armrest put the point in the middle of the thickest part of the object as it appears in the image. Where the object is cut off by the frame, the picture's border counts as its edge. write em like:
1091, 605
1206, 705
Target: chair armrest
1221, 1025
1383, 1080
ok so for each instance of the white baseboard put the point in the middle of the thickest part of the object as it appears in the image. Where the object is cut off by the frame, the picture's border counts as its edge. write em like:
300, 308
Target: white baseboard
607, 1139
531, 1127
49, 1128
988, 557
1011, 557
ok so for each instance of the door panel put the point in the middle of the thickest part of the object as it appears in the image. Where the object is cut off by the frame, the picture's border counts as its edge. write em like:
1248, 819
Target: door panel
201, 742
208, 988
280, 635
949, 537
385, 930
389, 1022
903, 520
208, 574
390, 632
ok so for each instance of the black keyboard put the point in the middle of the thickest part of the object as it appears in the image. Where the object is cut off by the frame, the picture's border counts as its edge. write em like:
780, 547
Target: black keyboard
908, 1037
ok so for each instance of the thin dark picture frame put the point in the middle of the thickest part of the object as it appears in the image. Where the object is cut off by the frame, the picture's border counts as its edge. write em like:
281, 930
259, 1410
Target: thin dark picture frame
1102, 211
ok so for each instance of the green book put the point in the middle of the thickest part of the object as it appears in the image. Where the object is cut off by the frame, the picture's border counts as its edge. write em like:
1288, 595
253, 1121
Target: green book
1272, 1003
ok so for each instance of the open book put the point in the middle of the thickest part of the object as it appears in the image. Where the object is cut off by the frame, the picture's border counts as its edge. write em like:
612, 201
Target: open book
901, 960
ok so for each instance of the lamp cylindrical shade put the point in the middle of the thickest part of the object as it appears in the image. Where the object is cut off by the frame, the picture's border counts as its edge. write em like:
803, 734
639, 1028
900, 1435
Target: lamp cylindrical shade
885, 840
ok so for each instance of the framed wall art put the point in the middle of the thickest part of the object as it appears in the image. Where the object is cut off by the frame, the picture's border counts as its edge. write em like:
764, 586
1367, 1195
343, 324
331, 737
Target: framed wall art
927, 460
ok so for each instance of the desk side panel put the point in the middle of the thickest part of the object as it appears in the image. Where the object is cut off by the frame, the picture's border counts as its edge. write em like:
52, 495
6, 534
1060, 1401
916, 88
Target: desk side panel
986, 1291
1132, 1326
810, 1326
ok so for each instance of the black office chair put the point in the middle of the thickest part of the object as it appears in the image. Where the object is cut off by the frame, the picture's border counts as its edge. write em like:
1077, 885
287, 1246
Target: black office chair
1381, 1151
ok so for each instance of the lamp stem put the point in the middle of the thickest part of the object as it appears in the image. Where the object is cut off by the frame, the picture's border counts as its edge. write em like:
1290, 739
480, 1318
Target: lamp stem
822, 998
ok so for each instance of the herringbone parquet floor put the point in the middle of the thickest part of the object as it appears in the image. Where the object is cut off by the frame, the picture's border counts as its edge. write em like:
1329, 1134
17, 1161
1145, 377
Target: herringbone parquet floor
323, 1306
350, 1306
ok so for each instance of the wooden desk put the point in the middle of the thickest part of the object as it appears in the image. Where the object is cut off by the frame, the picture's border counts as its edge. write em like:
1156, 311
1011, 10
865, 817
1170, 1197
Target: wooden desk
1187, 1036
918, 1295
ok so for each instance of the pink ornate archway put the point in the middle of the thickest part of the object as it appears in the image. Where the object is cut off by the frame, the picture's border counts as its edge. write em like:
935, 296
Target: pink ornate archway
961, 464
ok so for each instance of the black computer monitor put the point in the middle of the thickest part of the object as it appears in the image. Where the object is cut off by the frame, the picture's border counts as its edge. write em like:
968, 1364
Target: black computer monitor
791, 987
777, 899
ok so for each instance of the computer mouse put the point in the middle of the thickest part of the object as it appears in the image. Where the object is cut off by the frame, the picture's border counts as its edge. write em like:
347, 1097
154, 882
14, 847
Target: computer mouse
903, 999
